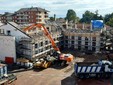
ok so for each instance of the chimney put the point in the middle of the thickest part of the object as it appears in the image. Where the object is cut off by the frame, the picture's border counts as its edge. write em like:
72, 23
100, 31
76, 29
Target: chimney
66, 24
76, 26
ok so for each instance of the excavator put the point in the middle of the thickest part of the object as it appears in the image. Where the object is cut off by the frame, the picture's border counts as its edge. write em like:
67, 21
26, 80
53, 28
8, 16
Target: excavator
59, 57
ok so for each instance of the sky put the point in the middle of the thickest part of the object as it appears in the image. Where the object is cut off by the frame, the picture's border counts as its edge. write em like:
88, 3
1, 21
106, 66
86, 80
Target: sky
59, 7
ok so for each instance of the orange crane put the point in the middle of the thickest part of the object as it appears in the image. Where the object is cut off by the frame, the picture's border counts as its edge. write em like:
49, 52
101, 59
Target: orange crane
61, 56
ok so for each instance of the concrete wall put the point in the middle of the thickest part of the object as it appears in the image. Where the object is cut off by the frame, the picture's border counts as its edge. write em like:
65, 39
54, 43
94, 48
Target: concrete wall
7, 47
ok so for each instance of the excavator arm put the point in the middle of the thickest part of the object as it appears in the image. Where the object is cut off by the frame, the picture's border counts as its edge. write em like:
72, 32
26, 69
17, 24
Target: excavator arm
46, 32
49, 36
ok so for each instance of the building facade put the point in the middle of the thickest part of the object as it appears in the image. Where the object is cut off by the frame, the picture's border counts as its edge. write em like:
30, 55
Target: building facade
83, 40
26, 16
39, 45
7, 47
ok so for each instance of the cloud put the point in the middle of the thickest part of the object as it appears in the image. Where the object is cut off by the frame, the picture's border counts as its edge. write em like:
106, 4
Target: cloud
59, 7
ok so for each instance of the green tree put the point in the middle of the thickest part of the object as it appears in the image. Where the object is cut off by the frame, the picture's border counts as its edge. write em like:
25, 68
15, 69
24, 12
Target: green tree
108, 19
110, 22
88, 16
52, 19
71, 15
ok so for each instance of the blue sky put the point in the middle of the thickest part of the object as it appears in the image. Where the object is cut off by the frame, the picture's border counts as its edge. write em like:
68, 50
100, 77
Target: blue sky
59, 7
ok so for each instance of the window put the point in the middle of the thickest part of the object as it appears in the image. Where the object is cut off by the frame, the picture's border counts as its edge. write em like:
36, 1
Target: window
8, 32
46, 48
46, 42
47, 28
86, 38
39, 12
86, 43
36, 45
93, 43
66, 41
72, 42
79, 42
79, 47
72, 37
94, 39
41, 43
39, 16
66, 37
86, 47
79, 38
36, 52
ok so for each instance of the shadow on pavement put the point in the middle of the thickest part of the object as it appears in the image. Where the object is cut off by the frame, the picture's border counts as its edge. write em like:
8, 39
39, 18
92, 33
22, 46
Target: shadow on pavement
70, 80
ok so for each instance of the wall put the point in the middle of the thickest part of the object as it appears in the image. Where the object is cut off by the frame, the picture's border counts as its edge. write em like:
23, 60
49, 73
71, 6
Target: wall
14, 32
7, 47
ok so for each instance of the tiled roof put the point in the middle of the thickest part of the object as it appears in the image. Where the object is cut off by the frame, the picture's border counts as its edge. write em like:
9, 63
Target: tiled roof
32, 9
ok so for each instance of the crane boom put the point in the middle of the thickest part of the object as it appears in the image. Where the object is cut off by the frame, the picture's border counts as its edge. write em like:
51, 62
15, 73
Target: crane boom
46, 32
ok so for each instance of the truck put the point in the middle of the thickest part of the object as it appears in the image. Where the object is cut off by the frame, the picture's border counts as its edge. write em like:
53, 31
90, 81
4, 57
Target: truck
100, 69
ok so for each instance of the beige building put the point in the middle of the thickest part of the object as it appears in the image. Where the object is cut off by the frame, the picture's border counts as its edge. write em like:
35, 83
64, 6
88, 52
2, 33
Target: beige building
39, 45
82, 38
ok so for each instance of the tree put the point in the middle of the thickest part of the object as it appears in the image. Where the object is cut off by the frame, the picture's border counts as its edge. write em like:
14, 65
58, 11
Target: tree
108, 19
51, 18
110, 22
88, 16
71, 15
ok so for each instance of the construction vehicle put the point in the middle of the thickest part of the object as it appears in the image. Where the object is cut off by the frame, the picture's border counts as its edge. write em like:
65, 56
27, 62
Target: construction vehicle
43, 62
5, 77
100, 69
63, 58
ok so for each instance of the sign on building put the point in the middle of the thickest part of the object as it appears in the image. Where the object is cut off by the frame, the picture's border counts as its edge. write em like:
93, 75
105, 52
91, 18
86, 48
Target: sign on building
97, 24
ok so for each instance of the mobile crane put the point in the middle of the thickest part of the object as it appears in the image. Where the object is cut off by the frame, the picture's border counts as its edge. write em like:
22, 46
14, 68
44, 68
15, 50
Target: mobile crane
61, 57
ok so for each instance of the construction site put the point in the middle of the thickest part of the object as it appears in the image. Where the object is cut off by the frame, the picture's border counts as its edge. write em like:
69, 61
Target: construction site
54, 52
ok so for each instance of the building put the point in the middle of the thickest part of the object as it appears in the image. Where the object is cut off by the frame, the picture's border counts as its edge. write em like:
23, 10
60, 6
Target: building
25, 16
82, 40
32, 43
9, 38
7, 48
11, 29
39, 45
6, 17
0, 16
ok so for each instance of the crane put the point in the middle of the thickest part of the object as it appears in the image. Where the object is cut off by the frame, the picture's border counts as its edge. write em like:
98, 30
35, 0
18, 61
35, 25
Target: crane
61, 56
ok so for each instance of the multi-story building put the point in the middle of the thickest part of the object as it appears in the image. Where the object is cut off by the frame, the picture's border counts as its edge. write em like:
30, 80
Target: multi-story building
39, 45
27, 16
7, 17
82, 39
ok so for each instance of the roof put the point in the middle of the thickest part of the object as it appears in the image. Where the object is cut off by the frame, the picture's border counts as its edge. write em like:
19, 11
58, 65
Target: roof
18, 29
7, 14
32, 9
14, 24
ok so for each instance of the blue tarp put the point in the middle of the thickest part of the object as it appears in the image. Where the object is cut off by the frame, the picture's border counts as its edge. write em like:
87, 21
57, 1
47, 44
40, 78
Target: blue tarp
97, 24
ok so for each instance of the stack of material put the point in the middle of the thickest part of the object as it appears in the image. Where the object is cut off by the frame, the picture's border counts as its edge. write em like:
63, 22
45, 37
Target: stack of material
24, 63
